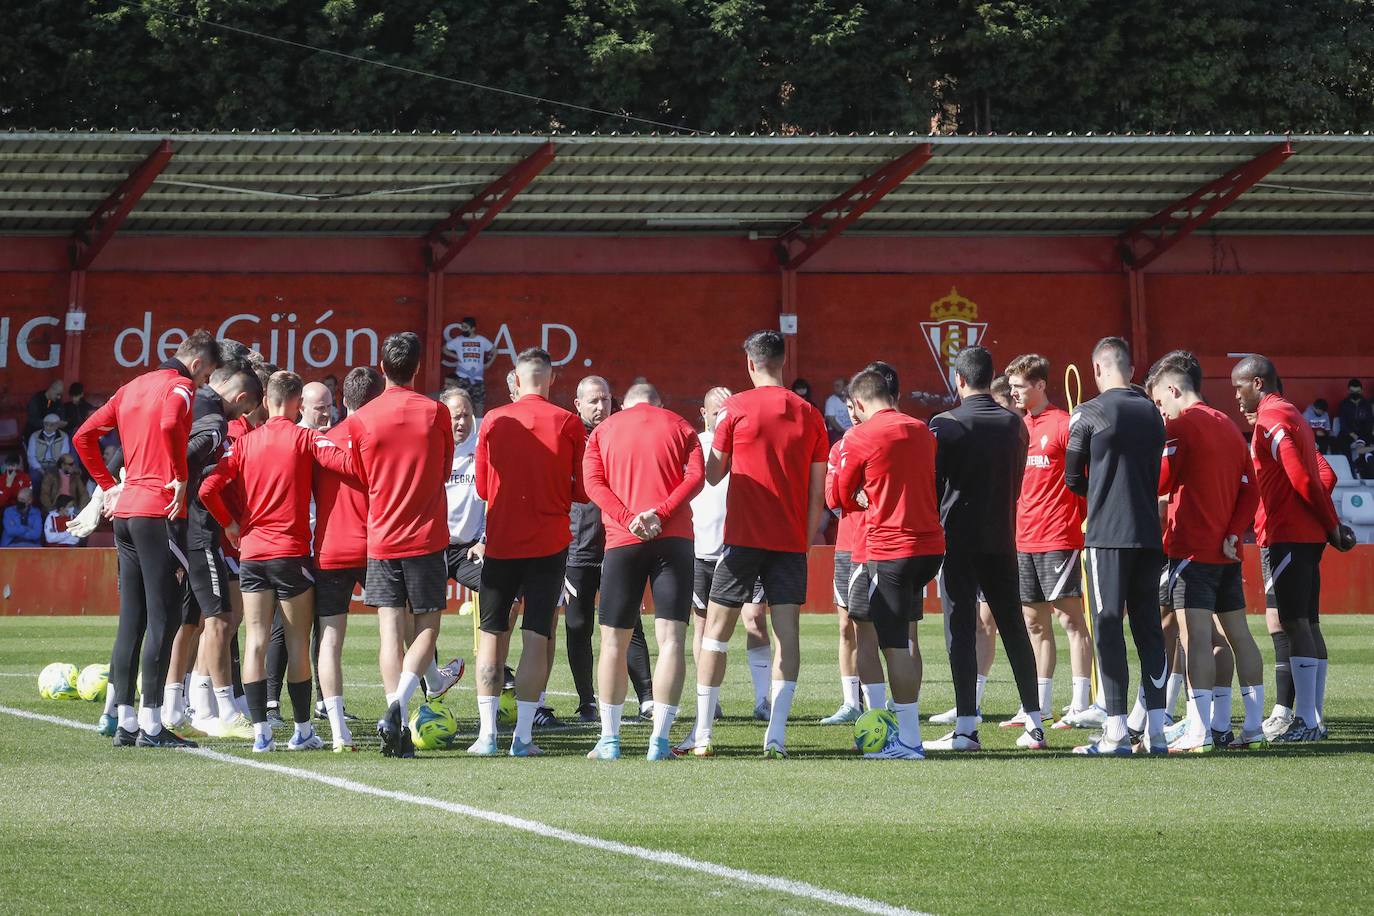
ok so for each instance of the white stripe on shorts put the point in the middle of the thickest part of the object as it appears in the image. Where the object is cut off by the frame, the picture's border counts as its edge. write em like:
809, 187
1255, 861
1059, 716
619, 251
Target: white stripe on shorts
1070, 567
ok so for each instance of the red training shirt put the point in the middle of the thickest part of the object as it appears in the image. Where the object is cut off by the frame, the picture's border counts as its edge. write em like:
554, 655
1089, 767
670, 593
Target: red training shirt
340, 511
643, 458
1210, 483
1049, 516
529, 470
403, 443
153, 416
844, 531
773, 437
891, 457
276, 464
1297, 509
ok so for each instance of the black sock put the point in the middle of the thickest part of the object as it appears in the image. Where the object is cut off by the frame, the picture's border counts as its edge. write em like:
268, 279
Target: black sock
256, 691
300, 691
236, 666
1283, 674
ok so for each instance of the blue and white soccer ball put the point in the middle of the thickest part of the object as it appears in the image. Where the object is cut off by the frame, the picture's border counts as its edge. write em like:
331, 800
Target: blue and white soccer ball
58, 682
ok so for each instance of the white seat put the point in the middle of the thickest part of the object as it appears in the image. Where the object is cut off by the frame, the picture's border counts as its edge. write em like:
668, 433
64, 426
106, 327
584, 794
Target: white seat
1357, 508
1364, 534
1345, 478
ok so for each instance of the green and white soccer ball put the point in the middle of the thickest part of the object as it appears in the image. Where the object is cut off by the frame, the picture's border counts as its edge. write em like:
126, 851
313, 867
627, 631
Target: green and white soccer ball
92, 682
58, 682
433, 726
872, 730
506, 709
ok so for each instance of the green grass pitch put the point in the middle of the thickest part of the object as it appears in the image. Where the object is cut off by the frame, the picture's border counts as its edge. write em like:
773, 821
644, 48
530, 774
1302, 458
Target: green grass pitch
86, 828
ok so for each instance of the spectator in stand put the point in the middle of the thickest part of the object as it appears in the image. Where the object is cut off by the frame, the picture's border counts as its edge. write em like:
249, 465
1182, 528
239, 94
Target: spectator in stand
1356, 415
802, 389
475, 355
12, 480
1318, 416
55, 533
65, 480
338, 411
23, 523
836, 412
77, 408
46, 447
47, 401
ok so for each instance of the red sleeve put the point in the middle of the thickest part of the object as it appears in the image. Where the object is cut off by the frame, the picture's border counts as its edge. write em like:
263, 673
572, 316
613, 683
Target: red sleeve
849, 479
723, 437
832, 490
87, 441
1171, 465
1308, 488
481, 465
594, 480
210, 488
575, 432
1247, 503
693, 478
445, 426
175, 423
820, 448
1328, 476
331, 457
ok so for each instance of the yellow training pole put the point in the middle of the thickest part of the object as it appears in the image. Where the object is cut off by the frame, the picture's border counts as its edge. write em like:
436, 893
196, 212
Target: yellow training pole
1073, 392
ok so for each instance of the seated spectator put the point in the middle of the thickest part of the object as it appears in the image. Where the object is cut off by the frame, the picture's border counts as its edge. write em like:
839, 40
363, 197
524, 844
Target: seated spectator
836, 413
47, 446
65, 480
12, 480
55, 533
1318, 416
337, 410
23, 523
44, 402
77, 408
802, 389
1357, 417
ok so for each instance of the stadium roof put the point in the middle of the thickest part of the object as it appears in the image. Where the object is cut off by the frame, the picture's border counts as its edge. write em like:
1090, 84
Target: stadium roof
393, 184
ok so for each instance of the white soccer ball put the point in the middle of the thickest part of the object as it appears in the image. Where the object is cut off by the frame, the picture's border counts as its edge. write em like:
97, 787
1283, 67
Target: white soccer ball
58, 682
92, 682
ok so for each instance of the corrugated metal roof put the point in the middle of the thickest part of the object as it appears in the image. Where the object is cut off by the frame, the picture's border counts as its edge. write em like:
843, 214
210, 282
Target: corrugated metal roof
391, 184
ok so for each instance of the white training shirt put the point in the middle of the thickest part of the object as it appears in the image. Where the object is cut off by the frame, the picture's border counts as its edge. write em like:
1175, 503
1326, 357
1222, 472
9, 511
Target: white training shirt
467, 514
835, 410
472, 354
708, 513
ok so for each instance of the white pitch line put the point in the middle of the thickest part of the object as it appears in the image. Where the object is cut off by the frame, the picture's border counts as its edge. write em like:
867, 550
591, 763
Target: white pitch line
545, 831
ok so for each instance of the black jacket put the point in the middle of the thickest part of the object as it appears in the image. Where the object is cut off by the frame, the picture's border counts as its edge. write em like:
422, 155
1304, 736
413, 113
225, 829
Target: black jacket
588, 545
204, 448
980, 458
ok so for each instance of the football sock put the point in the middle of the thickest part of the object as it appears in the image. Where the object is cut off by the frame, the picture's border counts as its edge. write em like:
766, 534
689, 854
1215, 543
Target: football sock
1321, 690
391, 698
486, 715
1172, 691
908, 723
543, 698
966, 725
978, 692
875, 695
1115, 729
760, 671
256, 692
150, 719
1283, 670
1082, 694
610, 719
203, 696
110, 705
224, 703
261, 730
783, 692
128, 718
1046, 685
305, 729
663, 719
524, 719
1252, 698
849, 689
432, 677
1155, 723
1305, 688
1034, 720
174, 699
707, 698
405, 689
338, 726
1199, 712
302, 694
1137, 720
1221, 709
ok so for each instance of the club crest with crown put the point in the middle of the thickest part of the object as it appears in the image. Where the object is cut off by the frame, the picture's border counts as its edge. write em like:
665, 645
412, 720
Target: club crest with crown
952, 327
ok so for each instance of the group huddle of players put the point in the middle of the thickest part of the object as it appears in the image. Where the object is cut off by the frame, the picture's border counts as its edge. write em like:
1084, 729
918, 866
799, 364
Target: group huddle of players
231, 512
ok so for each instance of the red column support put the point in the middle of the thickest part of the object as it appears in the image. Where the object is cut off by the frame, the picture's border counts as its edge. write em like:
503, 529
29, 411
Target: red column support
88, 241
471, 218
1146, 241
1140, 328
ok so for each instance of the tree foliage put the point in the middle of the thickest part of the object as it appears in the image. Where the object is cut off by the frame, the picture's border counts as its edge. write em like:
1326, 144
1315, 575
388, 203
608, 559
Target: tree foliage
723, 65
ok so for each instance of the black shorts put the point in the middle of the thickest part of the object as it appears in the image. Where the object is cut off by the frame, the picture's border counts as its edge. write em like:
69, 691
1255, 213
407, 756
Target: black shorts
703, 572
739, 571
461, 569
1049, 576
418, 582
581, 585
664, 564
852, 586
895, 596
334, 589
844, 570
209, 577
287, 576
1215, 587
231, 565
1295, 577
539, 578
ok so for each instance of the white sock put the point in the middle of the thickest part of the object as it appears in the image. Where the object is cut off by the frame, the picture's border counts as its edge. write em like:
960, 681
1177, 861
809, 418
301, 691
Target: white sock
524, 719
304, 729
1172, 690
875, 695
1082, 694
1321, 690
1046, 685
241, 703
782, 708
1034, 720
663, 719
150, 719
110, 706
203, 696
966, 725
432, 677
849, 689
760, 671
1221, 709
908, 723
333, 707
610, 719
1252, 698
224, 703
1283, 712
1305, 689
1138, 717
1154, 727
174, 698
978, 694
543, 698
405, 689
707, 698
1200, 712
1115, 729
487, 708
391, 698
263, 731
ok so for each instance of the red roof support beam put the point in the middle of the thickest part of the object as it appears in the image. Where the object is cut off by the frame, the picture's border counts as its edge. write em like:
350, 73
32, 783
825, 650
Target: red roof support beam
1146, 241
104, 222
797, 245
475, 215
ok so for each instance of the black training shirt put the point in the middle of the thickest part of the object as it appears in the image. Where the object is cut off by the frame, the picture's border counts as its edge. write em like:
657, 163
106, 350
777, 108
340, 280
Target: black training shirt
979, 461
1116, 441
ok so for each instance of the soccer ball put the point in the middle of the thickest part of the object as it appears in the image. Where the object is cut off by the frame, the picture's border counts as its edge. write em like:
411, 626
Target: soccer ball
58, 682
433, 726
506, 709
92, 682
872, 729
465, 609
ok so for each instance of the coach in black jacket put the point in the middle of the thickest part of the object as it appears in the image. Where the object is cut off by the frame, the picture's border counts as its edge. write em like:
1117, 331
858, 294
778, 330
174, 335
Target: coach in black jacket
980, 459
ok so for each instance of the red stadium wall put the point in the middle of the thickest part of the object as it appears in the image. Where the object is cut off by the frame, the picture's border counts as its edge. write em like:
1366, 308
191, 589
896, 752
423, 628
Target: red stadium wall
40, 582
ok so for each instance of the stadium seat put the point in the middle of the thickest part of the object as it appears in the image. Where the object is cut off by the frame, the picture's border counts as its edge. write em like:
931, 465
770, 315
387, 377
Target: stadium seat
9, 432
1357, 508
1345, 478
